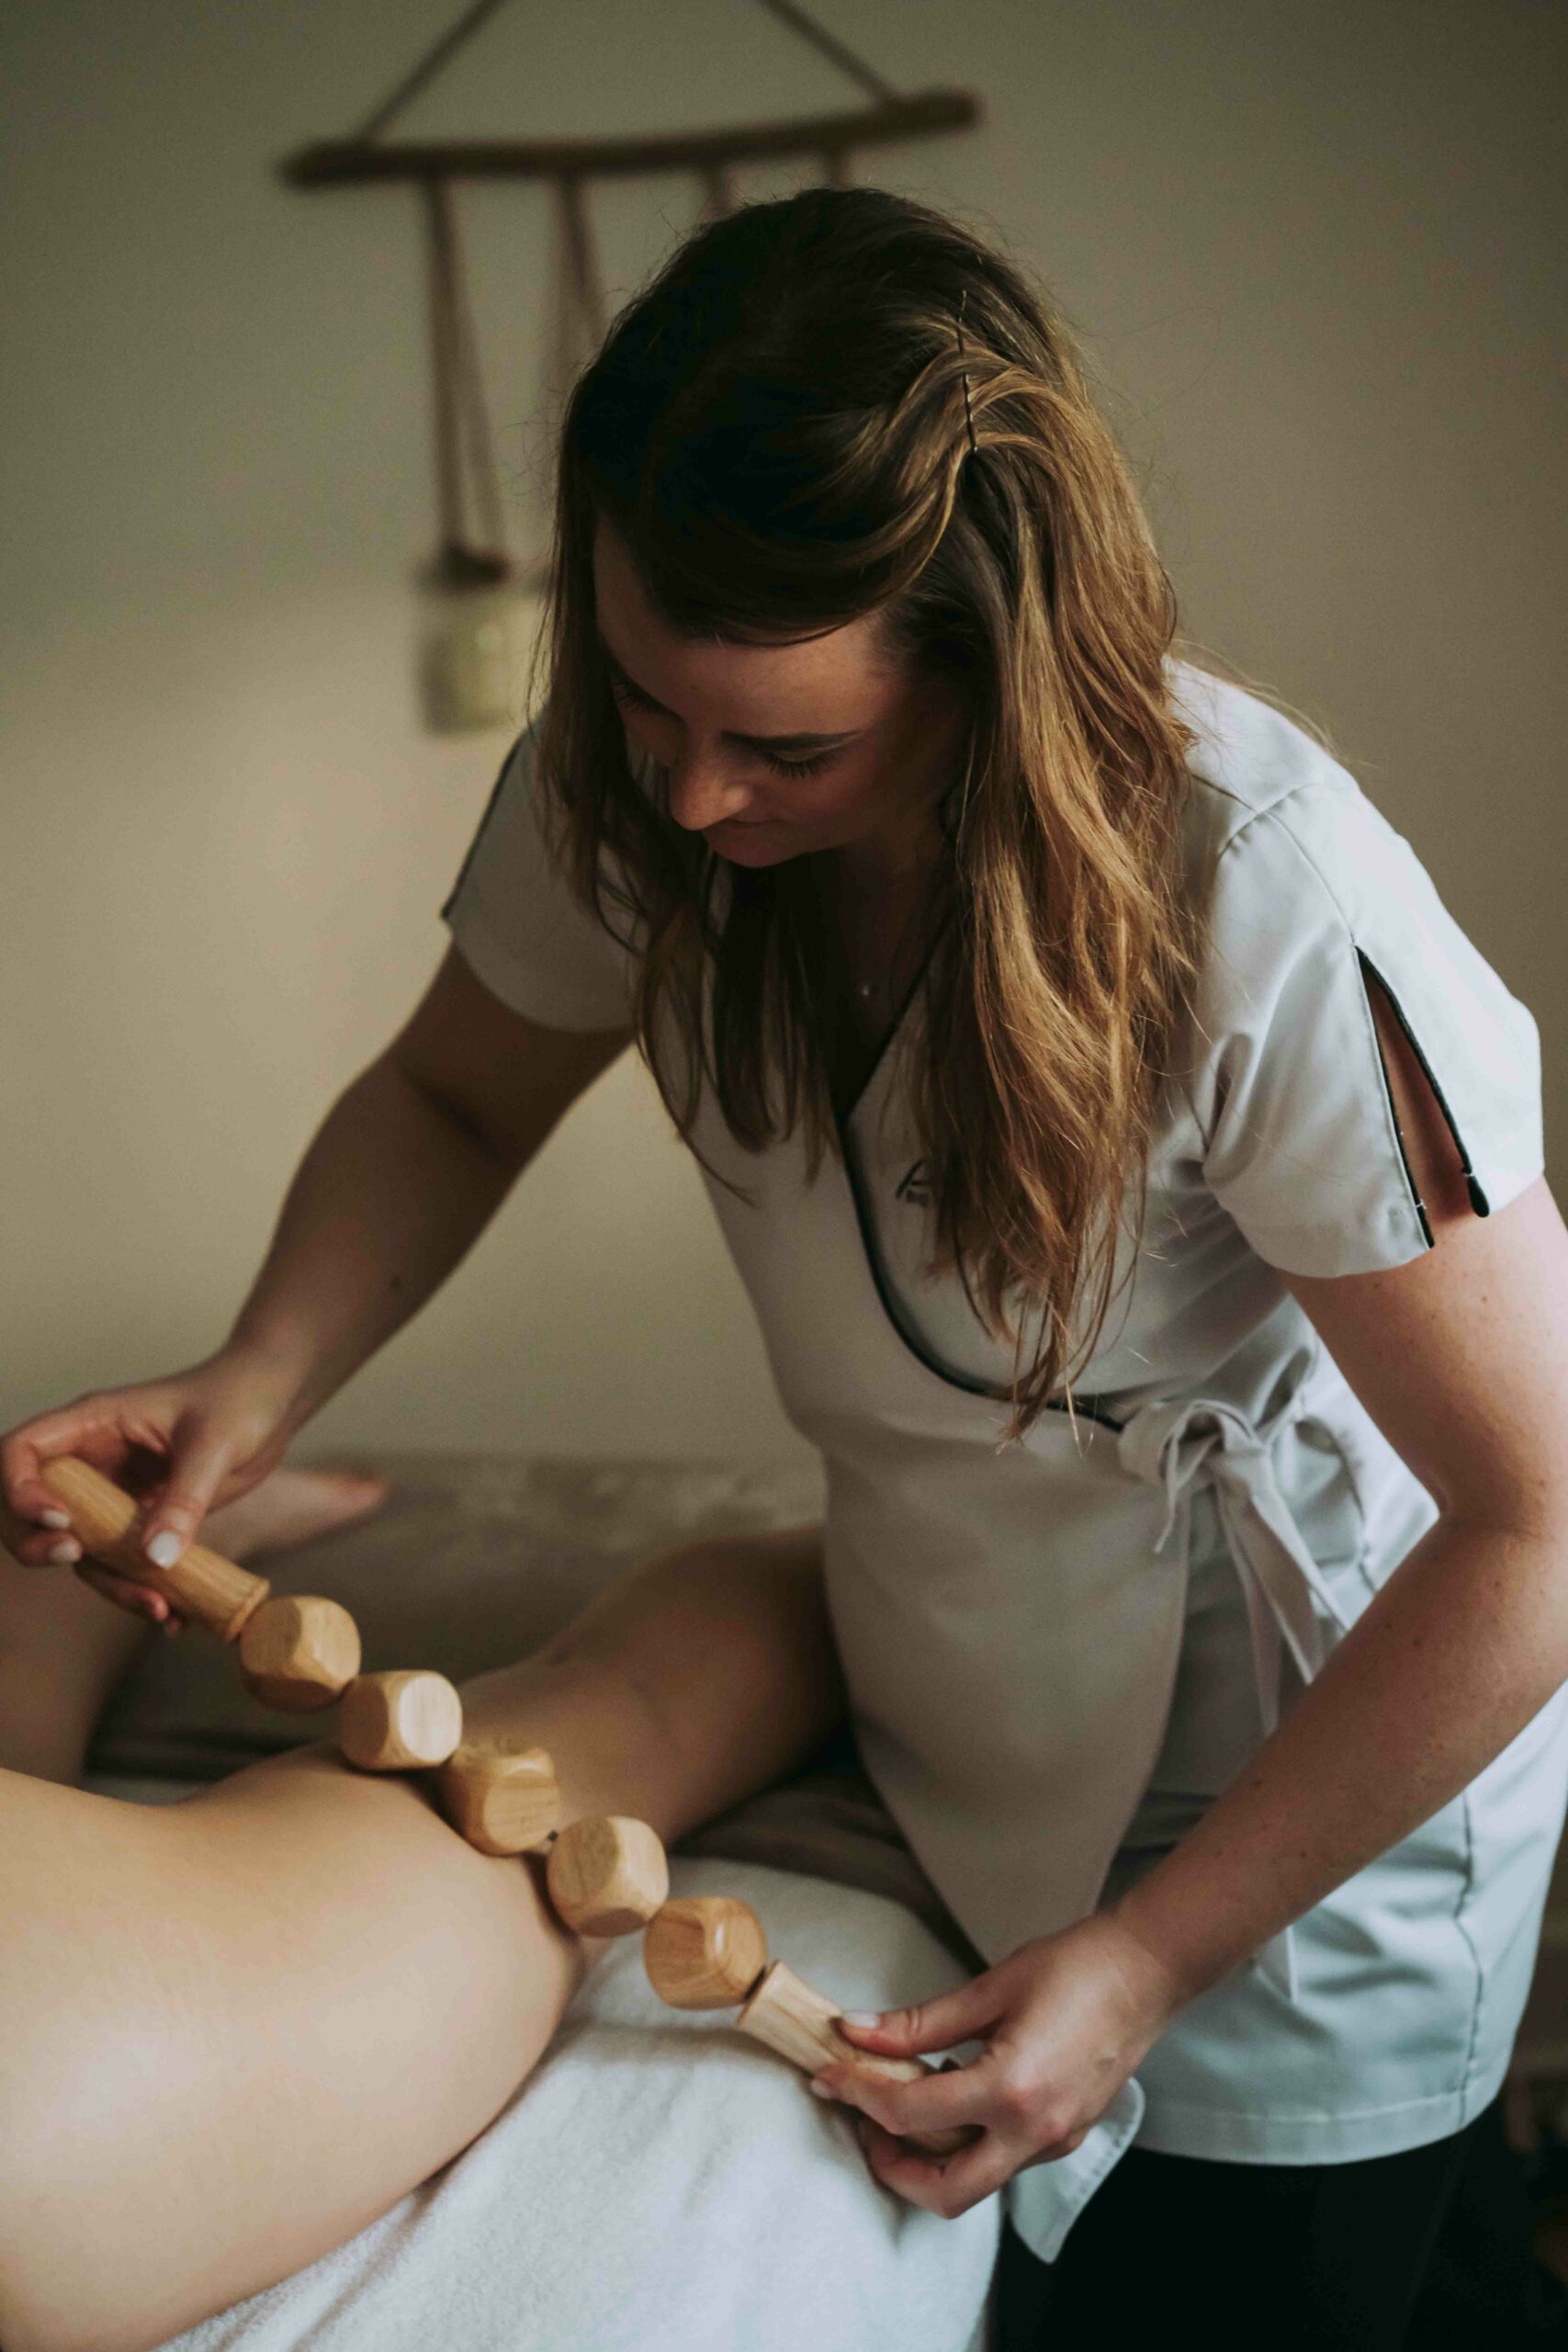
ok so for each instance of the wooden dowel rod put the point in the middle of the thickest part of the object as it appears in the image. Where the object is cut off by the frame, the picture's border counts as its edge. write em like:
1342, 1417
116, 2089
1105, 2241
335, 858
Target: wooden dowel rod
203, 1585
333, 161
800, 2023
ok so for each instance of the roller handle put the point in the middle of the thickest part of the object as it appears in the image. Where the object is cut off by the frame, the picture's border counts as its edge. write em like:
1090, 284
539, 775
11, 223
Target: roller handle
791, 2016
202, 1585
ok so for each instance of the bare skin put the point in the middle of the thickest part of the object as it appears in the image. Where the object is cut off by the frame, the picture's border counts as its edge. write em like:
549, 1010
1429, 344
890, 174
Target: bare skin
239, 2027
64, 1648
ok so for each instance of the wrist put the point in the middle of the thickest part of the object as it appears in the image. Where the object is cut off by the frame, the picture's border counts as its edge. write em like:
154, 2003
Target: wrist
279, 1372
1178, 1965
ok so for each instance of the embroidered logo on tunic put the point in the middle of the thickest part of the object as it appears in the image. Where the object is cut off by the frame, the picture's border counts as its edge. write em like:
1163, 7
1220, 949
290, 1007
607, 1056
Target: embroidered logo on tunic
913, 1187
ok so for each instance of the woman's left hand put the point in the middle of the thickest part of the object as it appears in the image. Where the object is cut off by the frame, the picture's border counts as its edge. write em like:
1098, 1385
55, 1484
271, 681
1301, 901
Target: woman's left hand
1068, 2018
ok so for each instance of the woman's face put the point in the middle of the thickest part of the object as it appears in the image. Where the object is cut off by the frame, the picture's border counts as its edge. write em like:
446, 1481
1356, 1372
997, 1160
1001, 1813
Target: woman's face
732, 724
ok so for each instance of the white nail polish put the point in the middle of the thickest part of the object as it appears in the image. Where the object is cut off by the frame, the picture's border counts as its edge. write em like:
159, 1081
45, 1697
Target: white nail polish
61, 1552
164, 1549
862, 2017
55, 1517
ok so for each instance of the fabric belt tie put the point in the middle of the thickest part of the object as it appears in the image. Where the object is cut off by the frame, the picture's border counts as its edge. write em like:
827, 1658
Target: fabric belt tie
1188, 1442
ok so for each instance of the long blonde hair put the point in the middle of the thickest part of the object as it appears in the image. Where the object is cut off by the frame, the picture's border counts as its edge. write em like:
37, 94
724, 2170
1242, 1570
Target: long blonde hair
777, 428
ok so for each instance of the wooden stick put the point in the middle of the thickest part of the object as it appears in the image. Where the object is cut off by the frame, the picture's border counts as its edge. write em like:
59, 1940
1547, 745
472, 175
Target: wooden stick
202, 1585
326, 163
791, 2017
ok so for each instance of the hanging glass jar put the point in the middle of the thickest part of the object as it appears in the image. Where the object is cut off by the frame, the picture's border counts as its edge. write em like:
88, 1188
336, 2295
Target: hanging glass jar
476, 622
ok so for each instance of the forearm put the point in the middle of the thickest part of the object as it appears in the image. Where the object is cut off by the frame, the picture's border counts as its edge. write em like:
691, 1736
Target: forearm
388, 1198
1464, 1646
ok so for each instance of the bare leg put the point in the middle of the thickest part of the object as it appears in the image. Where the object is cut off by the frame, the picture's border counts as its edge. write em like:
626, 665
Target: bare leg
238, 2028
64, 1648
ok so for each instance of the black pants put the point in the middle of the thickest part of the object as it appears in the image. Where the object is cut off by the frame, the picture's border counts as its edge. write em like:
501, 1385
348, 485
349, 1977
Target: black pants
1425, 2251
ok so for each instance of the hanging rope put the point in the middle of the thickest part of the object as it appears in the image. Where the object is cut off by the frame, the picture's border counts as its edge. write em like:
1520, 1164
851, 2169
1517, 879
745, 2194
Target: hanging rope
465, 461
463, 28
584, 285
429, 66
789, 13
463, 446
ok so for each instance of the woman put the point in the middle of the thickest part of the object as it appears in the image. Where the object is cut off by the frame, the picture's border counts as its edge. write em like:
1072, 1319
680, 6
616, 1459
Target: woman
1207, 1641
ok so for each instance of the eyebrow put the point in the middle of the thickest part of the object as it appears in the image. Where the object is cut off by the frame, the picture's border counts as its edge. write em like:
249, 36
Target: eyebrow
730, 734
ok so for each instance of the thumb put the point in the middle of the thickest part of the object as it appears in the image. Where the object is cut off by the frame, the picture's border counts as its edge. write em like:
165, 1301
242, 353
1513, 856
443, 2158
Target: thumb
196, 1472
928, 2024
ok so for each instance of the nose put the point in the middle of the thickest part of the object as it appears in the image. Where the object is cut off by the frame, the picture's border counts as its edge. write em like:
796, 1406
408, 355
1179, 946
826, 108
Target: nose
700, 795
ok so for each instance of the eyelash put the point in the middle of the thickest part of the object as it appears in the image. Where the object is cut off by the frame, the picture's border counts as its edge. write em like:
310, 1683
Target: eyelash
627, 693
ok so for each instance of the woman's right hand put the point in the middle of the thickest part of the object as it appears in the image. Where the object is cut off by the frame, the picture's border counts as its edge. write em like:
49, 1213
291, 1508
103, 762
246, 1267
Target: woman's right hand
182, 1446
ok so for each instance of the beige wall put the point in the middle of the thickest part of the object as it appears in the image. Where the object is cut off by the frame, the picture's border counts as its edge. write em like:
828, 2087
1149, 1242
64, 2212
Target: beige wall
1317, 258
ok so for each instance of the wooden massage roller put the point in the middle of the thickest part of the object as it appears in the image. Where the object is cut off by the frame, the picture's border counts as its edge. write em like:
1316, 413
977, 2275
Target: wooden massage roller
607, 1874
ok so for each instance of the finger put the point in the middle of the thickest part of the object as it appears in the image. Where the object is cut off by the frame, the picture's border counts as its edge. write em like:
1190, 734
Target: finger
1058, 2148
936, 2024
947, 2185
42, 1547
196, 1471
946, 2095
919, 2178
29, 1503
137, 1599
976, 2173
23, 1452
910, 2173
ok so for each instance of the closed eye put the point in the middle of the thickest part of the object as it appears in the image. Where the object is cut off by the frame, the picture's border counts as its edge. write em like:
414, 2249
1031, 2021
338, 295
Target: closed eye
625, 692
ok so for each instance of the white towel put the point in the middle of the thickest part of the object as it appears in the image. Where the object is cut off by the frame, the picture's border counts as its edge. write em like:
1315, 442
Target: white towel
662, 2184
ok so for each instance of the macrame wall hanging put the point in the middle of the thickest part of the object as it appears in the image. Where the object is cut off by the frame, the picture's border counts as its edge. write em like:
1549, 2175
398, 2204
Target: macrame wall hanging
477, 594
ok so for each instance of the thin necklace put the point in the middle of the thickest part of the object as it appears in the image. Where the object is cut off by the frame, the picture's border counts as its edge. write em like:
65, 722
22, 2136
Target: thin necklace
889, 984
888, 980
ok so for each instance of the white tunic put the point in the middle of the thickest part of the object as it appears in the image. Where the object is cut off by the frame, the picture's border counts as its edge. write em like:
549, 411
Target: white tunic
1058, 1654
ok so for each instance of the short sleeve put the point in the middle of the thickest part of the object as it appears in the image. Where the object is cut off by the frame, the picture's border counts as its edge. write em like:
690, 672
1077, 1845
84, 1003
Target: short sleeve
519, 923
1311, 899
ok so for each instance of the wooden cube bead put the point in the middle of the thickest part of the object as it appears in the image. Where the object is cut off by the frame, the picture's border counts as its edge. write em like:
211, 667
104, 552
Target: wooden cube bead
499, 1795
394, 1722
607, 1874
299, 1651
791, 2017
703, 1951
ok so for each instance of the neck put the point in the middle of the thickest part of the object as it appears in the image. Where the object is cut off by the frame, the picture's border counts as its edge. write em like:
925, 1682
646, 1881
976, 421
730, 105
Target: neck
885, 866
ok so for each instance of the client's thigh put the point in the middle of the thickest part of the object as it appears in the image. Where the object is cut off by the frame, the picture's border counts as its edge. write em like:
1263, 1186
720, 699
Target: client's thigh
237, 2028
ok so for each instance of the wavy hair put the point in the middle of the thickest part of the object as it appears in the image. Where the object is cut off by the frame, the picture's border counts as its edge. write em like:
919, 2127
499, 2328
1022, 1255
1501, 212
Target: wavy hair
778, 428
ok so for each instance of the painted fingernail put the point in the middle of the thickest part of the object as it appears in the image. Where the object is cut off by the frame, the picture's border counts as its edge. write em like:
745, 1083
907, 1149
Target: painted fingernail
63, 1552
820, 2089
164, 1549
55, 1517
862, 2017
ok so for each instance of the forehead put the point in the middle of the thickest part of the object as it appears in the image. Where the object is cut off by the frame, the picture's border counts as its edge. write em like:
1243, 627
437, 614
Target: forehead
844, 659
